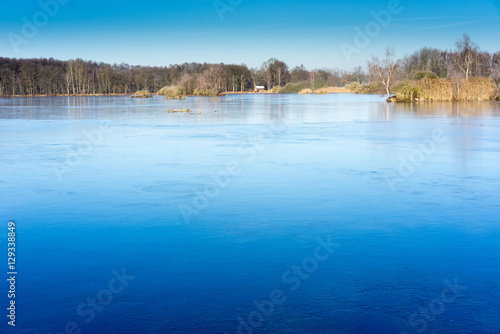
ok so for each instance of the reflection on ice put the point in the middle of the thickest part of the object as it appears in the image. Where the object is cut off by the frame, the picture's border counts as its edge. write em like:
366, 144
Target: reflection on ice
410, 191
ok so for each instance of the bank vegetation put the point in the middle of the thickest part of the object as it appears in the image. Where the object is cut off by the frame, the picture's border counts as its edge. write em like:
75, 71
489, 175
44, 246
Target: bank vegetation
466, 74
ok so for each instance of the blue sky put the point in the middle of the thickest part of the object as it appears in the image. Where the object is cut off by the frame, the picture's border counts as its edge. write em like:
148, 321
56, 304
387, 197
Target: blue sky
299, 32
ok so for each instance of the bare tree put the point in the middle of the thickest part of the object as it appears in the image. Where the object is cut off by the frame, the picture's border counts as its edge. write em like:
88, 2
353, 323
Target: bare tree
216, 77
281, 72
258, 76
276, 72
357, 73
202, 81
425, 60
188, 82
386, 70
495, 67
267, 69
466, 55
313, 75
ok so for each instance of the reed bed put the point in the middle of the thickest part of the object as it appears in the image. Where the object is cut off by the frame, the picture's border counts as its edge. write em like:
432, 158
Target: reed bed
444, 90
329, 90
475, 89
436, 89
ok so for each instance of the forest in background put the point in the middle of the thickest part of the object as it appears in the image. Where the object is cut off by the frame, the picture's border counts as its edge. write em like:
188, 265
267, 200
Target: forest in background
32, 77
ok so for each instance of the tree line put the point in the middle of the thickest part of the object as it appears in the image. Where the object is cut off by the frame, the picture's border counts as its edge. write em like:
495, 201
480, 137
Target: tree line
465, 62
80, 77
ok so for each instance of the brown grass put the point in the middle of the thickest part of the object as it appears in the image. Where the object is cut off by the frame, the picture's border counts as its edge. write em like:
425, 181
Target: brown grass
475, 89
444, 90
436, 89
328, 90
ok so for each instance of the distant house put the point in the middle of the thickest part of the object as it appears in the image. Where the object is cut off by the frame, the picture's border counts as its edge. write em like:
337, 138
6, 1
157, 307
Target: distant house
259, 89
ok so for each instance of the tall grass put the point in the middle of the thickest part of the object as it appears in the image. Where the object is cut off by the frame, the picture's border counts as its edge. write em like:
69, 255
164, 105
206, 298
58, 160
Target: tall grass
474, 89
305, 87
328, 90
435, 89
367, 88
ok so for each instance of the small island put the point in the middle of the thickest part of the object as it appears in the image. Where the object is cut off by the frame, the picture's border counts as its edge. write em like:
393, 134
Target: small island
142, 94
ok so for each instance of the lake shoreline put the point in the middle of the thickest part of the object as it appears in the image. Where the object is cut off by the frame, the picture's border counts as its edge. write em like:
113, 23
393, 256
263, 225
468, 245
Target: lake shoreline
391, 100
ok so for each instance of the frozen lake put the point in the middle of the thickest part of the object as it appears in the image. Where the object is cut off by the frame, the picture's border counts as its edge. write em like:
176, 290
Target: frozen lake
252, 214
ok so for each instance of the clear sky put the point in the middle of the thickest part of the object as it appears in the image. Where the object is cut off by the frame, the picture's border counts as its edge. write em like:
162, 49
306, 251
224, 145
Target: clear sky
312, 33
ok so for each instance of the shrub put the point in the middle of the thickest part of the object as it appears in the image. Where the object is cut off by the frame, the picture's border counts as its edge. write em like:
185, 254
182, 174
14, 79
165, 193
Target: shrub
276, 89
205, 92
319, 83
296, 87
407, 90
352, 86
306, 91
172, 92
425, 75
142, 92
367, 89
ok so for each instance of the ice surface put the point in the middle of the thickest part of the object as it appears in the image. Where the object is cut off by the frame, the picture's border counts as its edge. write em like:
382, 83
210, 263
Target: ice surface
409, 191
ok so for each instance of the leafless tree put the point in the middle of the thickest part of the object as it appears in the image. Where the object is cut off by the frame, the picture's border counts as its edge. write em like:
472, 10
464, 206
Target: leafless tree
216, 77
281, 69
188, 82
466, 55
357, 73
386, 70
495, 67
267, 69
202, 81
313, 75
